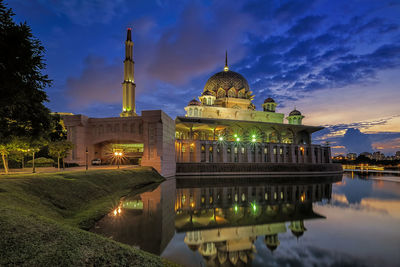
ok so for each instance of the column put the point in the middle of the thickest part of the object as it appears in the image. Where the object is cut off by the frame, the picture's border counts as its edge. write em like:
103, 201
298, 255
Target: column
292, 153
215, 152
285, 155
224, 148
271, 153
313, 159
207, 150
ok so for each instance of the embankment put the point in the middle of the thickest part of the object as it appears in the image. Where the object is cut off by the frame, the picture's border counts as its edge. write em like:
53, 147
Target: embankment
43, 217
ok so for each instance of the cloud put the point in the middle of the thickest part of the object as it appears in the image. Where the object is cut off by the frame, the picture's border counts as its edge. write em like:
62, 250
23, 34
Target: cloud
356, 141
85, 12
197, 43
306, 25
99, 81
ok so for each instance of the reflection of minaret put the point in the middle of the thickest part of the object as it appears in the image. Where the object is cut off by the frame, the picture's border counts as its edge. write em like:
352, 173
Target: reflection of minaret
128, 86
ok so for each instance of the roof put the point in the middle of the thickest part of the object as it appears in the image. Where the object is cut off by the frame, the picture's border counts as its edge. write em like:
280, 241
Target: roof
223, 123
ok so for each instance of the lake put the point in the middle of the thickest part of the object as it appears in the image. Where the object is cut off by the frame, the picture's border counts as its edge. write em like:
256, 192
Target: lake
352, 220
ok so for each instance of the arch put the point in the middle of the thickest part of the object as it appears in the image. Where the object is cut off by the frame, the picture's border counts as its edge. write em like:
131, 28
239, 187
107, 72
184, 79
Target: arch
221, 93
190, 112
232, 92
196, 112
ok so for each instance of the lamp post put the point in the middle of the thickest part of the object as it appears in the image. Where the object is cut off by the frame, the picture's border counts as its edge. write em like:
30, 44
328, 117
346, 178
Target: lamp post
87, 163
118, 155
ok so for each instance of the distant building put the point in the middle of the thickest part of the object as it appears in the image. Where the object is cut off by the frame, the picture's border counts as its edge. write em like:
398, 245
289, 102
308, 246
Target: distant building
351, 156
378, 155
339, 157
397, 155
366, 154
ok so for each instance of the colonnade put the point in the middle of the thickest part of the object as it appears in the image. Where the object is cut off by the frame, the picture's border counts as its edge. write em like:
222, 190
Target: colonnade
229, 151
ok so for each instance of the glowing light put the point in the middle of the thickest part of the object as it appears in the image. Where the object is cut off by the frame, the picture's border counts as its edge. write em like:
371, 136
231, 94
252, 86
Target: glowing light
192, 204
253, 140
236, 208
221, 138
253, 136
303, 197
238, 139
116, 153
254, 206
235, 135
115, 212
119, 210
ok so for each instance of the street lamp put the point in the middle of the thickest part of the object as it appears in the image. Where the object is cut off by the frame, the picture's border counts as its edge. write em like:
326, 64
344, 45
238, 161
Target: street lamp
87, 164
118, 155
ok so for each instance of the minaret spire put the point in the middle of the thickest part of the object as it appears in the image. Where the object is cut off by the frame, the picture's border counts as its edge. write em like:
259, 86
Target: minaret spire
128, 85
226, 68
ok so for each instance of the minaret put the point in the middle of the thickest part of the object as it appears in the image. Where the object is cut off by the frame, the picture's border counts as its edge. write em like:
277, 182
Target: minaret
128, 86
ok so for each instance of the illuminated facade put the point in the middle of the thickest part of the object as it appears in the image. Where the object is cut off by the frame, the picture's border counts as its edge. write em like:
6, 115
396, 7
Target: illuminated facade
224, 126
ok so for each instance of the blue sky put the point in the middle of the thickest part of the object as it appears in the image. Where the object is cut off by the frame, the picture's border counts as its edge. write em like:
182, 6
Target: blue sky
337, 61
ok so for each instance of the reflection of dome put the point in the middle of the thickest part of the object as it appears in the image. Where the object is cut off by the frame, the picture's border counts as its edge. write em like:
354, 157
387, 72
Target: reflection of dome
297, 233
194, 102
226, 80
295, 112
193, 247
269, 100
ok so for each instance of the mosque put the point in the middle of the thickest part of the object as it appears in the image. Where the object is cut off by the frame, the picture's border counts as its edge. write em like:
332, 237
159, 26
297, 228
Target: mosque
221, 132
223, 126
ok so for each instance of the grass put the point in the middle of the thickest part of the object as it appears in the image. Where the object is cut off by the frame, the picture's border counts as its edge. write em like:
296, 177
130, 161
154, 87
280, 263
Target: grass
43, 218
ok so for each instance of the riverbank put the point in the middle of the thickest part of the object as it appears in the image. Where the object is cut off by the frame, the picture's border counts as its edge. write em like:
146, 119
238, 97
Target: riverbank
43, 217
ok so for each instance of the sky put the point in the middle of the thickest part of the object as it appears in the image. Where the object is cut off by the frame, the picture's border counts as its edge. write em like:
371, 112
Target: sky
338, 62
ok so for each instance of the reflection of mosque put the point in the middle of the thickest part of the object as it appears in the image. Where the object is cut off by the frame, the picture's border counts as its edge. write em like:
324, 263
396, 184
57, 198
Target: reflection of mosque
222, 223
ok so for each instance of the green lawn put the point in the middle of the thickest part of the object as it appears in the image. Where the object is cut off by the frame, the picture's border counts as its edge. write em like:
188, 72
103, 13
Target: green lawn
42, 217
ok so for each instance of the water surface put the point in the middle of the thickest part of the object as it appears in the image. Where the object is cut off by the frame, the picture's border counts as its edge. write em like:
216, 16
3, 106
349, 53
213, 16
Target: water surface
352, 220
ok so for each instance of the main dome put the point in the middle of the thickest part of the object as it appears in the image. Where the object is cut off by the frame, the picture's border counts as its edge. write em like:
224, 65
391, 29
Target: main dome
226, 80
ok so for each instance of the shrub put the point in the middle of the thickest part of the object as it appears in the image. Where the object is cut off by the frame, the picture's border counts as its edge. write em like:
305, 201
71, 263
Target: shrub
41, 162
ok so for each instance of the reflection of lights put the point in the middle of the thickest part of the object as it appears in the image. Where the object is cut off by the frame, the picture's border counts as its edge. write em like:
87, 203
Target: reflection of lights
254, 206
303, 197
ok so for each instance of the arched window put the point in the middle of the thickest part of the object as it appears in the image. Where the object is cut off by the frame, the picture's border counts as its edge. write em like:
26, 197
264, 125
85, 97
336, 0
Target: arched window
200, 112
231, 93
221, 93
190, 112
196, 112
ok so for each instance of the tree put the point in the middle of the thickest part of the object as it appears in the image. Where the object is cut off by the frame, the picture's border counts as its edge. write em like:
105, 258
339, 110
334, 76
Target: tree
60, 149
11, 149
22, 84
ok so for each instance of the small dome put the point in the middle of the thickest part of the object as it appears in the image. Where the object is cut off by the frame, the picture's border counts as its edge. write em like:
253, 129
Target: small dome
297, 233
194, 102
194, 247
295, 112
269, 100
207, 93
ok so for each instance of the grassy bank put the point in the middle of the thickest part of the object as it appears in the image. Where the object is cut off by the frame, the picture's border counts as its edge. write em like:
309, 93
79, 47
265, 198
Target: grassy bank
42, 217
